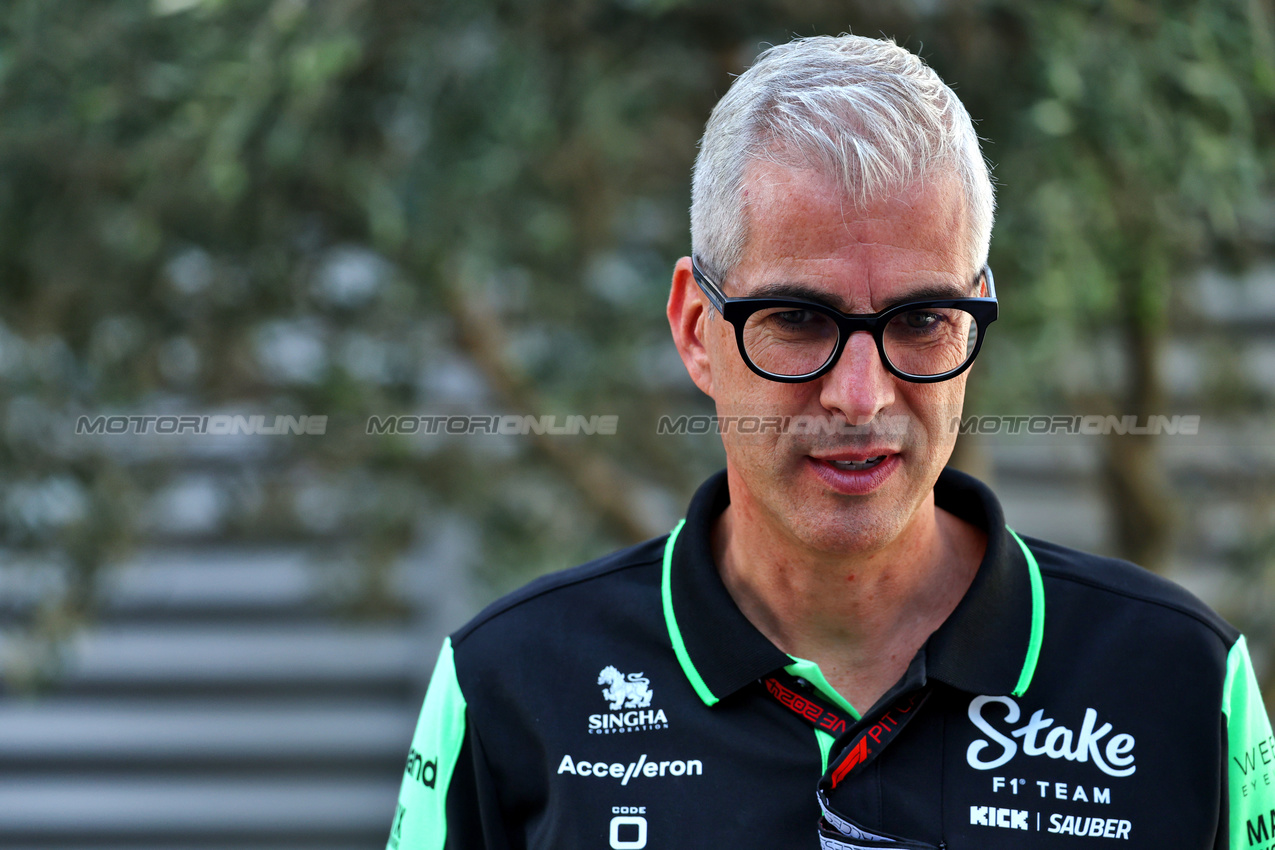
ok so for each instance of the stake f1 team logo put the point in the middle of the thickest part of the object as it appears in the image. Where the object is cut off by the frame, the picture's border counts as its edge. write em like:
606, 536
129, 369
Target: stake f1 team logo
1113, 756
632, 692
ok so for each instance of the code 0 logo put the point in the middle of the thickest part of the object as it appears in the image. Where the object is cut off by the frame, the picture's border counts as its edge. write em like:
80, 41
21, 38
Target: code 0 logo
628, 827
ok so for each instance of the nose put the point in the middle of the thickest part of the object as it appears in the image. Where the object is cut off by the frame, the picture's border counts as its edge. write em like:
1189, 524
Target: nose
858, 387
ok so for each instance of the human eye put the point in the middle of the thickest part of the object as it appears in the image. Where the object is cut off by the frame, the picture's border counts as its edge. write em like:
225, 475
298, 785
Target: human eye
919, 323
791, 325
789, 339
794, 320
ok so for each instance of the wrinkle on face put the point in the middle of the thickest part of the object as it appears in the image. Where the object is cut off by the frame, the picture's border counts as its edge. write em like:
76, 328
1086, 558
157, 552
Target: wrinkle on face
781, 197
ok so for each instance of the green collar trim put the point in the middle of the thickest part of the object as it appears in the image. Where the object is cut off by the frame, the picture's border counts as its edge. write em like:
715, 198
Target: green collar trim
809, 670
1038, 618
670, 620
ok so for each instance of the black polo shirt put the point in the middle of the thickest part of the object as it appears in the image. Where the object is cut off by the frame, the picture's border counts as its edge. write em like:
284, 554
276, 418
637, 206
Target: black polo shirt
1070, 701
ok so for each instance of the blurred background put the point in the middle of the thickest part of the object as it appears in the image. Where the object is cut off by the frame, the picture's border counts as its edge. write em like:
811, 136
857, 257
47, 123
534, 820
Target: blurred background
352, 209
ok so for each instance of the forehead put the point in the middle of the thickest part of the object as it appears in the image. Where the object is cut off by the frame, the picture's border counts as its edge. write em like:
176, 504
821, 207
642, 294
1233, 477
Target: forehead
805, 231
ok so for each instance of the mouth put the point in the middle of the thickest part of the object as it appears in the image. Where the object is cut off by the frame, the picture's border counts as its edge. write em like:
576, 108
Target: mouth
857, 465
856, 473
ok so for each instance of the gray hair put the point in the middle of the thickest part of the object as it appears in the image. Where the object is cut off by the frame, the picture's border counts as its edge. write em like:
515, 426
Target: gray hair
864, 111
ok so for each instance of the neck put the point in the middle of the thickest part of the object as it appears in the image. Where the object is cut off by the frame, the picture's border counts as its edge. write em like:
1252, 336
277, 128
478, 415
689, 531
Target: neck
861, 616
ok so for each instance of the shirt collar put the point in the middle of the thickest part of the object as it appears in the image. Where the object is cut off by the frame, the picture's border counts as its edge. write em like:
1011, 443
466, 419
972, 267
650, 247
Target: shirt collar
987, 646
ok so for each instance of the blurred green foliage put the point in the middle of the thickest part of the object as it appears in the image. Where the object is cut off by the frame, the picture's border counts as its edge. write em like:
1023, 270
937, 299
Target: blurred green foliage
360, 208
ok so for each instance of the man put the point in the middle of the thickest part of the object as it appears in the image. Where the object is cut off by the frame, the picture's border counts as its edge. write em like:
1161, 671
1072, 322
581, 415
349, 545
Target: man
842, 645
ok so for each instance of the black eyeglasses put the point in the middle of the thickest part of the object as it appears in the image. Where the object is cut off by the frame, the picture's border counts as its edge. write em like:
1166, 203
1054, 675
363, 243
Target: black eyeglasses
792, 340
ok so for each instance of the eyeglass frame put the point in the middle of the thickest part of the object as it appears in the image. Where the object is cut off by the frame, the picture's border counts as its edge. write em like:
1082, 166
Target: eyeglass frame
984, 309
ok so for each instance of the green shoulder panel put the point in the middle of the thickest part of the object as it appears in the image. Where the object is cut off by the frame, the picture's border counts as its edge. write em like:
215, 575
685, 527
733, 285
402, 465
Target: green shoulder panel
420, 821
1250, 756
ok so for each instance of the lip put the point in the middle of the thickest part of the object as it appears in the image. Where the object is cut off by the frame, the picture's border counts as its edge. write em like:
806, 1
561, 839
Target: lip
849, 482
857, 454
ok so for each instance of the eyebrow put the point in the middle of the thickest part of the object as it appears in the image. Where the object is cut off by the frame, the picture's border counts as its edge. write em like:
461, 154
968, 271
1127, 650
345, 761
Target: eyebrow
931, 292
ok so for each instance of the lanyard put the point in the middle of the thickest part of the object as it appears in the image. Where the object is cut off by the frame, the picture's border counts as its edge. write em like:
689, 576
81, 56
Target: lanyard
793, 695
875, 732
838, 833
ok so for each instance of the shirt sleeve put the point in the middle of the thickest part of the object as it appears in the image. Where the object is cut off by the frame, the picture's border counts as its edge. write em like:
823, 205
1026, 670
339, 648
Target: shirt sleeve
446, 800
1250, 755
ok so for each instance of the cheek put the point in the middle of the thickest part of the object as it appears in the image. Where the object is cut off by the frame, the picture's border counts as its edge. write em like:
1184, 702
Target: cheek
734, 385
936, 407
723, 354
744, 393
720, 342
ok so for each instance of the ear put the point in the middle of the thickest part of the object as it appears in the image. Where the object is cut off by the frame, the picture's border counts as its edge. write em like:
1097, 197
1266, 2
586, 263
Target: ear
688, 313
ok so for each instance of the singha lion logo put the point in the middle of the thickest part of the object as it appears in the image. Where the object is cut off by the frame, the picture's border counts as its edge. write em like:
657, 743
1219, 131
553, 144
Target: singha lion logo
632, 691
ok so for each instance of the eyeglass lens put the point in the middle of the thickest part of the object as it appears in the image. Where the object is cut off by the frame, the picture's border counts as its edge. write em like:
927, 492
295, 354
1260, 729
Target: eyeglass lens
926, 342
